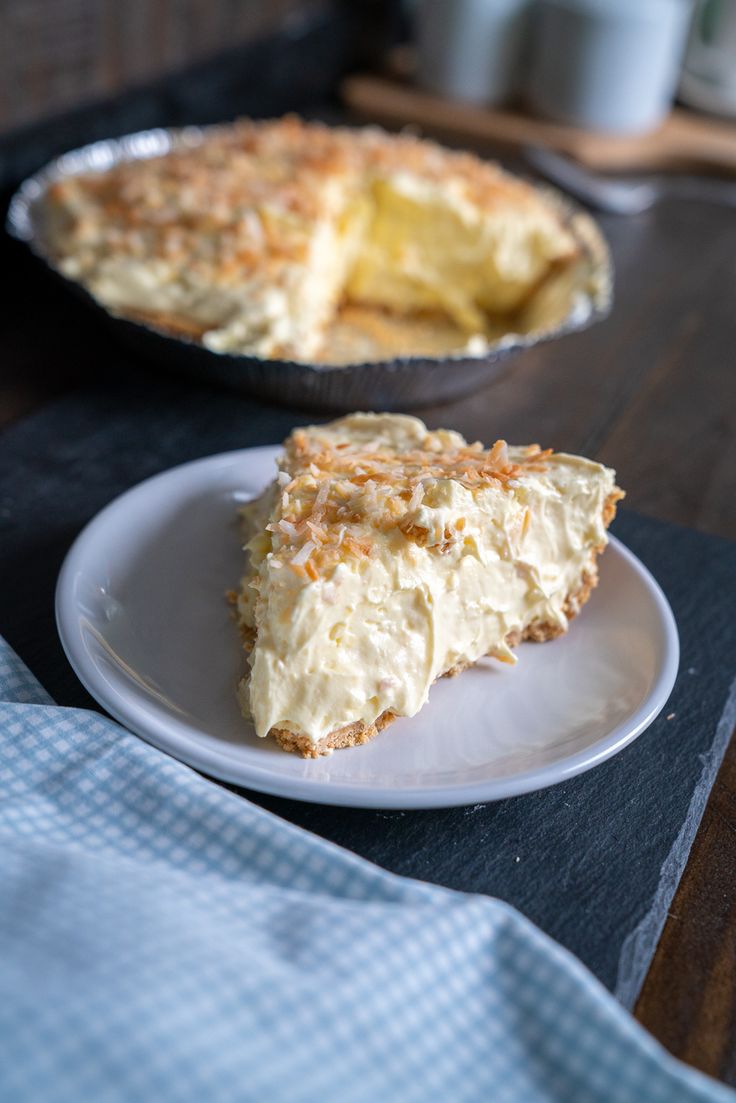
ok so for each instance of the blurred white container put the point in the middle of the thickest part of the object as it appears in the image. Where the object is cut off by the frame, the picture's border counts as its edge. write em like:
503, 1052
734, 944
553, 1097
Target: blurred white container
610, 65
471, 49
709, 73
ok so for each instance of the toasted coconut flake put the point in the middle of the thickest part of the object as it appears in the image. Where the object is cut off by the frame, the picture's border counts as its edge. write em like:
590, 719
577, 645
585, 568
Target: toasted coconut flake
416, 497
318, 533
291, 530
323, 494
302, 556
341, 496
499, 454
357, 547
311, 570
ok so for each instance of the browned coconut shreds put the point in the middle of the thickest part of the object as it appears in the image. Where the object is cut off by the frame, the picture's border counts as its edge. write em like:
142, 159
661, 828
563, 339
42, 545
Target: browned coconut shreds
327, 490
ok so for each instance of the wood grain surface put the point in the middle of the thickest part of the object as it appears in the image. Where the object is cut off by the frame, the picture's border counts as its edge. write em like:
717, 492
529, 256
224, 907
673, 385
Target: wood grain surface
651, 391
688, 999
685, 140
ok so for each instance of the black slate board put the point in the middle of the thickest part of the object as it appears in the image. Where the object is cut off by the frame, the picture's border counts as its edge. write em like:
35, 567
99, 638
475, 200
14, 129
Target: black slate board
594, 861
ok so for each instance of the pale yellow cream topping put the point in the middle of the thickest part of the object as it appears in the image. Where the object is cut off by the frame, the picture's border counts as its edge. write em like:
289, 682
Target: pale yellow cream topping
403, 576
252, 238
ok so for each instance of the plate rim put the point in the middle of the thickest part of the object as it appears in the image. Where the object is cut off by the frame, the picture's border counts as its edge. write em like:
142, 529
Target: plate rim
173, 737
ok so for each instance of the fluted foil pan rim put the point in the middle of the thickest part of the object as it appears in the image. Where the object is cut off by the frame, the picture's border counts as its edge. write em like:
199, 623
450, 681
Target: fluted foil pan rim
590, 302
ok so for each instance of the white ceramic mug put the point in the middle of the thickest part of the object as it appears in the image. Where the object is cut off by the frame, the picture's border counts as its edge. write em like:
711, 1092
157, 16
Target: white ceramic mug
470, 49
607, 65
709, 73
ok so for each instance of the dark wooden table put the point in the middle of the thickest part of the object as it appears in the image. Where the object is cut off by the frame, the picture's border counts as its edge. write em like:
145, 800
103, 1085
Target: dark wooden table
651, 392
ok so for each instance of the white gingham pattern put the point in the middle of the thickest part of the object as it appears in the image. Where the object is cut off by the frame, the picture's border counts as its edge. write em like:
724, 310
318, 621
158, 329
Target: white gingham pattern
163, 939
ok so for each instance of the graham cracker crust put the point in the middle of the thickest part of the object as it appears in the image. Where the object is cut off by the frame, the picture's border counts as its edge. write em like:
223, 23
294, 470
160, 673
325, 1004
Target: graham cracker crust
353, 735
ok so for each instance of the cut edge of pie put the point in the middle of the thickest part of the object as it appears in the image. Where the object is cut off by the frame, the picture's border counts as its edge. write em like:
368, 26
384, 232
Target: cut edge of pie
353, 735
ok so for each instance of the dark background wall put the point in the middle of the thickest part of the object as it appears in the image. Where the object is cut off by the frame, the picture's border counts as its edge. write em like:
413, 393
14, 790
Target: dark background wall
74, 71
59, 54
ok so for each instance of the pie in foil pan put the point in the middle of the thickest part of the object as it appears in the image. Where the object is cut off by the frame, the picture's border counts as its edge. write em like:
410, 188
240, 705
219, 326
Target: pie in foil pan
369, 356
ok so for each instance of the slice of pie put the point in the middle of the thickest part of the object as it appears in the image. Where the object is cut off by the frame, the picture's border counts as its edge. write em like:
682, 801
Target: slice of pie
250, 237
385, 555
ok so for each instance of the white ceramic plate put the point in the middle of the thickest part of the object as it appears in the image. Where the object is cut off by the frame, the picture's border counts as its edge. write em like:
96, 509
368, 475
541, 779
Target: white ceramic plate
143, 619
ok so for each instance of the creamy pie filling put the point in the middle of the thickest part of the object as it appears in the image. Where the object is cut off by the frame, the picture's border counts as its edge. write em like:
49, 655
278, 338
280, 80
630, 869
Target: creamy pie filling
385, 555
252, 240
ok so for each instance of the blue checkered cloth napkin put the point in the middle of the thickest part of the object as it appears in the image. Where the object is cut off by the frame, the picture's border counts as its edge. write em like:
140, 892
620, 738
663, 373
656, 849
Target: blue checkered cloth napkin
163, 939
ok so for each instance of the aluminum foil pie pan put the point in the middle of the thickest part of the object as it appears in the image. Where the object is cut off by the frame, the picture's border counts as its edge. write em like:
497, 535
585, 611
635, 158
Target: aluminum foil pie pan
572, 298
